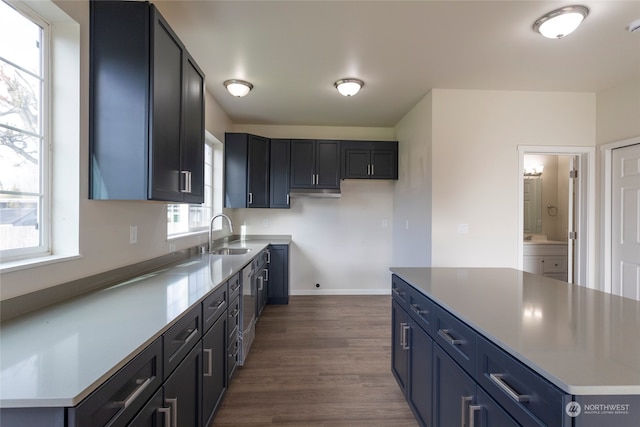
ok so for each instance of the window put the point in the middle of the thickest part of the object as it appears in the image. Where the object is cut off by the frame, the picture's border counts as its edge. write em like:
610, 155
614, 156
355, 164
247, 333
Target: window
184, 218
24, 195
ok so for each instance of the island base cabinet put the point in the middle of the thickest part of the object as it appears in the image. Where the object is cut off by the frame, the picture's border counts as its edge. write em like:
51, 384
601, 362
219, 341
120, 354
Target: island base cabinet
420, 374
453, 391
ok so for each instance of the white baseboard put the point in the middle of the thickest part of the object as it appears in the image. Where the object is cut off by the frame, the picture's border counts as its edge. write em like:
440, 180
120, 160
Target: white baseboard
306, 292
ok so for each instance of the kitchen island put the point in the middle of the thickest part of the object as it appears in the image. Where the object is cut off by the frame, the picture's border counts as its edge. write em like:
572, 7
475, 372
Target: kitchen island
536, 351
53, 359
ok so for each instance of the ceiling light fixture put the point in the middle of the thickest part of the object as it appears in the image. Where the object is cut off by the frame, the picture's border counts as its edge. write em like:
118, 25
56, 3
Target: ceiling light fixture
348, 87
238, 88
561, 22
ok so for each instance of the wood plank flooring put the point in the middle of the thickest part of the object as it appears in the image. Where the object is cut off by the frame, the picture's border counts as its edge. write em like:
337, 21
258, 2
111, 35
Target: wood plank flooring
319, 361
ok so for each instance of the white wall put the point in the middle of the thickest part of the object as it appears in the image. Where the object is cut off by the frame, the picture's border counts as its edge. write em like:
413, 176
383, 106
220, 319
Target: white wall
412, 196
618, 112
104, 225
474, 167
343, 244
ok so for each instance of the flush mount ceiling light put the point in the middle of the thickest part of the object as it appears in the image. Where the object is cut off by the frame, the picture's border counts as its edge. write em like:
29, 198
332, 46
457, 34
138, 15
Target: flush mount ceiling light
560, 22
348, 87
238, 88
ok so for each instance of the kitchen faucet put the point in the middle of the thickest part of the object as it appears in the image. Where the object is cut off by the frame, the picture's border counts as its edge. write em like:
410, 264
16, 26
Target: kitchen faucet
211, 226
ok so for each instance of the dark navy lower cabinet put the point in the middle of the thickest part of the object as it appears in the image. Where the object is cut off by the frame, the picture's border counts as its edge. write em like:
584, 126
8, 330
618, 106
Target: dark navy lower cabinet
182, 391
278, 291
453, 376
214, 371
454, 392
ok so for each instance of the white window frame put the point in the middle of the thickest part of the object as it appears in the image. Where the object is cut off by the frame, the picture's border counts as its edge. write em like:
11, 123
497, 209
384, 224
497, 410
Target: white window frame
44, 214
63, 127
214, 190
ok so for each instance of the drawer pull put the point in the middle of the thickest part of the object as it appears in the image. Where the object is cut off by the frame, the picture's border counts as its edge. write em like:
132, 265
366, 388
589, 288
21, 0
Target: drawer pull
497, 380
218, 304
417, 309
234, 313
235, 287
444, 333
397, 292
137, 392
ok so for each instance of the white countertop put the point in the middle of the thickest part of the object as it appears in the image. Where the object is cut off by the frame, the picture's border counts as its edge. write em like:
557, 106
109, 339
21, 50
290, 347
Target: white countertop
586, 342
57, 356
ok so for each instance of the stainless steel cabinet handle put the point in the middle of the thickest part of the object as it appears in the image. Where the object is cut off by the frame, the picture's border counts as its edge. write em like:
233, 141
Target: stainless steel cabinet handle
269, 256
236, 286
174, 410
234, 313
397, 292
261, 284
373, 171
287, 198
404, 335
266, 274
472, 414
417, 309
192, 335
313, 179
218, 304
250, 198
189, 182
463, 410
209, 353
368, 169
497, 380
133, 396
444, 333
185, 181
167, 416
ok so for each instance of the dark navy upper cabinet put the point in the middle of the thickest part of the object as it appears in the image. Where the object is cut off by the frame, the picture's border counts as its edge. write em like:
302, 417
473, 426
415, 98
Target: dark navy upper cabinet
146, 114
369, 159
246, 171
279, 173
315, 164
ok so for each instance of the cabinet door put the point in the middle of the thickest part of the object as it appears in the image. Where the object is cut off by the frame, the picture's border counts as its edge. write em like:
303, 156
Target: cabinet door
399, 345
214, 371
487, 413
166, 115
327, 164
182, 391
357, 164
153, 414
453, 391
384, 164
193, 143
420, 371
235, 170
279, 173
279, 274
258, 172
303, 161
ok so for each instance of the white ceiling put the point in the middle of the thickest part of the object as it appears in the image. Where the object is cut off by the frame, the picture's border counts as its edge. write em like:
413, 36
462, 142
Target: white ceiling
293, 52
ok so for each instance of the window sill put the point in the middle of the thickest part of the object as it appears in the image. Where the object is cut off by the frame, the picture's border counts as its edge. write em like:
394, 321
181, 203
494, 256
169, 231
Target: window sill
187, 234
24, 264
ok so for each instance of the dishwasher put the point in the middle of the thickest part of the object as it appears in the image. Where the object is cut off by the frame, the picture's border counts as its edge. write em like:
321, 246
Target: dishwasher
248, 313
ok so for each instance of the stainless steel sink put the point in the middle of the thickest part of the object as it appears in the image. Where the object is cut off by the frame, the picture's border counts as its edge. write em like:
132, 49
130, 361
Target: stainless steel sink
229, 251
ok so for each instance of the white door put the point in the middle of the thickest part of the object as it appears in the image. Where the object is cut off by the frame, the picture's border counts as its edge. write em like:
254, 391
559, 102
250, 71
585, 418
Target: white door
625, 222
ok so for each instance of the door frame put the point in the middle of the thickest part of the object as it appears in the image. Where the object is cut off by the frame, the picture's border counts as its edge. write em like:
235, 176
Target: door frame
585, 253
606, 155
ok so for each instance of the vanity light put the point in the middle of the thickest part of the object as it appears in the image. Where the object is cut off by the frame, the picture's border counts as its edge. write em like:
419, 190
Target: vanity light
348, 87
533, 170
238, 88
560, 22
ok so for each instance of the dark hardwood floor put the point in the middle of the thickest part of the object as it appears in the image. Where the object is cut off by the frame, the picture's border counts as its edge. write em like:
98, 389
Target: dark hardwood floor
319, 361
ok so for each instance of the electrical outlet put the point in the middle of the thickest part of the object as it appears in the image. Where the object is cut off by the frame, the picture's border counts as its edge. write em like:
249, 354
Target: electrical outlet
265, 222
133, 234
385, 223
463, 228
172, 247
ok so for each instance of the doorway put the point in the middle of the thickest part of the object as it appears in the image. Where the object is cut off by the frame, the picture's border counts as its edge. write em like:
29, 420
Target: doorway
622, 218
556, 200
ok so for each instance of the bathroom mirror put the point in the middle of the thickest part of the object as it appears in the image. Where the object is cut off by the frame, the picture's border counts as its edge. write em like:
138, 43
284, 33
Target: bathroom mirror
532, 205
